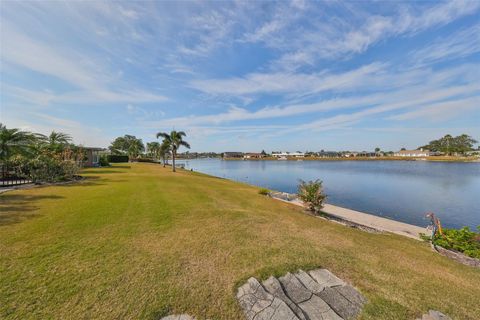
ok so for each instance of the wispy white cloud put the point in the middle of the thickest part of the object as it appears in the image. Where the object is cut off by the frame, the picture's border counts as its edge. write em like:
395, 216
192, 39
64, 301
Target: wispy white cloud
457, 45
90, 80
425, 90
255, 83
337, 39
441, 111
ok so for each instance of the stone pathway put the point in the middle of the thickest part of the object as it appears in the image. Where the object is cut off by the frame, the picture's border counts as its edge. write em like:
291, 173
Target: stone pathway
316, 295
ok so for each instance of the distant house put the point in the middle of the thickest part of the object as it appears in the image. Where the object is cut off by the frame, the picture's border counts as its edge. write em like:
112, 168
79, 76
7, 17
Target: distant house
92, 156
367, 154
253, 155
232, 155
329, 154
412, 153
280, 154
349, 154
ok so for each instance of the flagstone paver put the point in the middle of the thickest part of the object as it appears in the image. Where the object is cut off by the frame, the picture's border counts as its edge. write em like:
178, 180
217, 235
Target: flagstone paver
273, 286
314, 295
340, 304
326, 278
258, 304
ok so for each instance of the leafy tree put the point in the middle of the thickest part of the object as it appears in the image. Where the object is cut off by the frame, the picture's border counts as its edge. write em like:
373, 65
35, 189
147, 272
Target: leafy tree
451, 145
14, 142
312, 194
175, 141
127, 145
377, 150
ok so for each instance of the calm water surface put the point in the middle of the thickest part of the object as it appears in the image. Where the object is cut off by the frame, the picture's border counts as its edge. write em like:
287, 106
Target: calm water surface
401, 190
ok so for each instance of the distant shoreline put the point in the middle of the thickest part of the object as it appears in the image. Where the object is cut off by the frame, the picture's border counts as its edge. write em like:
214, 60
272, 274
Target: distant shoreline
430, 159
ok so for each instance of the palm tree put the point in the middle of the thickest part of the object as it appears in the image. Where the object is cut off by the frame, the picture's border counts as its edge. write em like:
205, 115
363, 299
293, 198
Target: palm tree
135, 147
55, 141
175, 140
14, 141
153, 149
164, 150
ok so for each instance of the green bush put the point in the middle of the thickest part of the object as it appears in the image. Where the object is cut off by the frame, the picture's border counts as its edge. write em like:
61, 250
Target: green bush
47, 169
264, 192
103, 161
144, 160
115, 158
462, 240
312, 194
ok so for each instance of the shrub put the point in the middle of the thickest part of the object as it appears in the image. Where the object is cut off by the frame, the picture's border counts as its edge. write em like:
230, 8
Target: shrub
115, 158
144, 160
462, 240
103, 161
264, 192
45, 168
312, 194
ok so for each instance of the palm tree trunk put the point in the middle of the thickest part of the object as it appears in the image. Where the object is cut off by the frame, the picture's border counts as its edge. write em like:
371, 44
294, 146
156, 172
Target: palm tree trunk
174, 153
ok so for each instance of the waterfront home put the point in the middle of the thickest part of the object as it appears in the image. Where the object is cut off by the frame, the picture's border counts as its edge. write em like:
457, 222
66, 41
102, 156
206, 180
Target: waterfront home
368, 154
412, 153
350, 154
280, 154
232, 155
253, 155
329, 154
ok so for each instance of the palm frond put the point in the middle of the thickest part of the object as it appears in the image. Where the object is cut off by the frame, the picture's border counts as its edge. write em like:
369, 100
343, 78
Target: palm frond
164, 135
185, 144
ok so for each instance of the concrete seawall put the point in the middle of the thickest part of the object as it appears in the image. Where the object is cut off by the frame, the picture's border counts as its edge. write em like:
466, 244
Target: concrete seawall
367, 220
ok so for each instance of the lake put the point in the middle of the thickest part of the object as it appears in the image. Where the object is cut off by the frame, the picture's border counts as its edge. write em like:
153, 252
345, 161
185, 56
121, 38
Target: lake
400, 190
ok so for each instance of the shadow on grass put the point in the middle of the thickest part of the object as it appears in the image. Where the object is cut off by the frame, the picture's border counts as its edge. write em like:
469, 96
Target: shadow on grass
15, 208
100, 171
121, 167
87, 182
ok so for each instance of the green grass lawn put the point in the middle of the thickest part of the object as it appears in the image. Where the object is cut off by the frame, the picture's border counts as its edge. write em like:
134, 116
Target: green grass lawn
137, 241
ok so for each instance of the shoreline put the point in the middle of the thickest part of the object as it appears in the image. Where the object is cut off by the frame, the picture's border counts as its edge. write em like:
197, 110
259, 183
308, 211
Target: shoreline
422, 159
366, 220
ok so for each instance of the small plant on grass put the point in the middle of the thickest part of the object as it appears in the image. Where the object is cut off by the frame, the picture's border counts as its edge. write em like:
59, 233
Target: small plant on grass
264, 192
312, 194
463, 240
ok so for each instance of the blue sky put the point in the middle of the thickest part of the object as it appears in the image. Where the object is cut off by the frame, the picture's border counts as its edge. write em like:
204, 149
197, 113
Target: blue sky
244, 76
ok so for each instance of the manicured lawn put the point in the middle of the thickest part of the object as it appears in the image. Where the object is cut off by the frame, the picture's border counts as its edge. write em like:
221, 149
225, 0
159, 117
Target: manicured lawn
137, 241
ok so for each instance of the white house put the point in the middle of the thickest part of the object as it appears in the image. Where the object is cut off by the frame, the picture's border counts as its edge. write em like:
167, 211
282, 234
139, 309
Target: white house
412, 153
